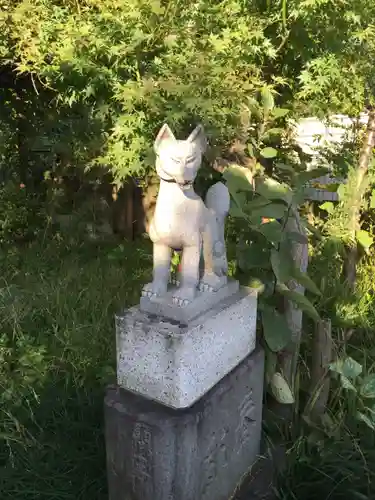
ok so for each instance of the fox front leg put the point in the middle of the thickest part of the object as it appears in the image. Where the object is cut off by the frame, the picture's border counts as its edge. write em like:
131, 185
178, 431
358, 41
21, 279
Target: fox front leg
189, 275
161, 271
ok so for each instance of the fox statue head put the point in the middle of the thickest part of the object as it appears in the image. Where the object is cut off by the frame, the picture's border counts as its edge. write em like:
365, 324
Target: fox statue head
179, 160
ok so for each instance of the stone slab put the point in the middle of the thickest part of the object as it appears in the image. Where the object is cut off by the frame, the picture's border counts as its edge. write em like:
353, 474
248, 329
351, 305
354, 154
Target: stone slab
200, 453
176, 364
204, 301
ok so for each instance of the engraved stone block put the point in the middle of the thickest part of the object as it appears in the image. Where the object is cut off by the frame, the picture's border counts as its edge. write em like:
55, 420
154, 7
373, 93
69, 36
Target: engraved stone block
175, 363
200, 453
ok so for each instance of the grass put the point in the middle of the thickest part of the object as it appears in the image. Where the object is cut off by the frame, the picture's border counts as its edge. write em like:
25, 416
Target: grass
341, 469
57, 353
336, 462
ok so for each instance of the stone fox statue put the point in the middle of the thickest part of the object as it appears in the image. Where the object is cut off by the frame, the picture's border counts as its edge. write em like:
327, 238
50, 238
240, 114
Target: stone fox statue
182, 221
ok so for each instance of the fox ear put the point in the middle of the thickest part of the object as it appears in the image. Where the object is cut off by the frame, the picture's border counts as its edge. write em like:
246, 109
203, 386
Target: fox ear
165, 134
198, 137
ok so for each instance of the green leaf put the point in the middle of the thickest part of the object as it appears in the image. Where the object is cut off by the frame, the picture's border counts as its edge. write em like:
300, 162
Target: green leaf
271, 211
271, 231
304, 177
327, 206
274, 131
256, 284
236, 212
305, 280
284, 166
237, 203
372, 200
365, 419
279, 112
282, 265
332, 187
250, 150
364, 239
346, 384
238, 179
275, 329
256, 203
267, 100
253, 256
348, 367
300, 300
268, 152
156, 7
270, 365
281, 390
273, 190
367, 388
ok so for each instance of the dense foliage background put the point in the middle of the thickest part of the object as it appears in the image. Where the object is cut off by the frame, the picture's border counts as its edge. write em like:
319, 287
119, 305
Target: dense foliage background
84, 88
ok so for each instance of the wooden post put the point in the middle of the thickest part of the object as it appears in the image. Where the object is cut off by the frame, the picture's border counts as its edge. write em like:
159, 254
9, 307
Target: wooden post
321, 358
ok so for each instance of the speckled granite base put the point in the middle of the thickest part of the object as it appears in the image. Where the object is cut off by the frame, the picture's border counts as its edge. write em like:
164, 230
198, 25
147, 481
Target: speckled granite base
176, 364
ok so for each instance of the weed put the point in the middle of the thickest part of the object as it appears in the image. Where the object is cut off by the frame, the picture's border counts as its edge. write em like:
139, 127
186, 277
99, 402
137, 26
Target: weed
57, 353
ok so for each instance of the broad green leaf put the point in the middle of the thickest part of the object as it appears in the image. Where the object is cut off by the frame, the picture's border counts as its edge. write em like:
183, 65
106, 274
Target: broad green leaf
238, 200
299, 197
156, 7
332, 187
365, 419
279, 112
274, 131
273, 190
372, 200
304, 177
270, 365
282, 265
254, 256
271, 210
267, 99
327, 206
268, 152
284, 166
256, 203
236, 212
238, 178
271, 231
275, 329
281, 390
346, 384
256, 284
367, 388
348, 367
300, 300
305, 280
250, 150
364, 239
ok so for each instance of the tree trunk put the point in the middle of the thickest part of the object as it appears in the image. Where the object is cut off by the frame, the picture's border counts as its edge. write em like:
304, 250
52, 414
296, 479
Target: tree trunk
359, 191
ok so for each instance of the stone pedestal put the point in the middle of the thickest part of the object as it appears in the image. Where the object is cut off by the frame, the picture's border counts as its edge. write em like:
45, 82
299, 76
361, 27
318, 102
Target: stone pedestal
176, 363
155, 452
